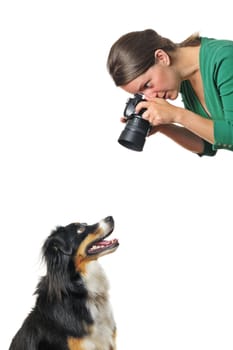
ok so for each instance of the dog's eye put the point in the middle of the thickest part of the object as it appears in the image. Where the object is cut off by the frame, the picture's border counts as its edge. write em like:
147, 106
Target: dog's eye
81, 228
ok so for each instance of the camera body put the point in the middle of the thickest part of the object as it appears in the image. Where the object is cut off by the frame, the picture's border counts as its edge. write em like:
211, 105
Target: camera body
136, 129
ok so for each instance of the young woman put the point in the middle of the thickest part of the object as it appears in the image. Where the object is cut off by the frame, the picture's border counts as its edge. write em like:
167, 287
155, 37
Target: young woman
199, 68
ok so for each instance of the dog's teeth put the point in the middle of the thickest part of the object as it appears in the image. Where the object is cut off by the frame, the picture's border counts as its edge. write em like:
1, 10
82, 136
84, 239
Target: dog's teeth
101, 245
97, 246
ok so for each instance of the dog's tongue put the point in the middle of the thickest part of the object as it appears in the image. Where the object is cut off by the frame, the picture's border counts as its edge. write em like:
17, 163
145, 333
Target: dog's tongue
104, 242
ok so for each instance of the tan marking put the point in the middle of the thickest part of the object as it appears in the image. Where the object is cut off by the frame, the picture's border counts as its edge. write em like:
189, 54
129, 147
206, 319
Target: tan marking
75, 344
81, 259
79, 263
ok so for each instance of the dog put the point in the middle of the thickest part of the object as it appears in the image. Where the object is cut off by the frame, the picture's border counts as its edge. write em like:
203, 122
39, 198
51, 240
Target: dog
72, 309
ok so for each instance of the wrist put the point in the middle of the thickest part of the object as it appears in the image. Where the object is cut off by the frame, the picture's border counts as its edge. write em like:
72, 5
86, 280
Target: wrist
179, 116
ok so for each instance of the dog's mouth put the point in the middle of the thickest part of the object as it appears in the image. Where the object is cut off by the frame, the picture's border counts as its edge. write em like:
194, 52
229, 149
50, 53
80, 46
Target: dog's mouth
102, 245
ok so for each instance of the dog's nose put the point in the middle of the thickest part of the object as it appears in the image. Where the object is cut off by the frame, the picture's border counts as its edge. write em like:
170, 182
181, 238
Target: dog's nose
109, 219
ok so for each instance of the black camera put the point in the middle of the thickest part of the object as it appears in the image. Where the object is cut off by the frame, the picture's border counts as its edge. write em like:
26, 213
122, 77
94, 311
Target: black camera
134, 134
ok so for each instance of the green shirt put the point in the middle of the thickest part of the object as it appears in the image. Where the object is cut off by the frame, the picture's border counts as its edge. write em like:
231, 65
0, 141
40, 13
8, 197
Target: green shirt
216, 67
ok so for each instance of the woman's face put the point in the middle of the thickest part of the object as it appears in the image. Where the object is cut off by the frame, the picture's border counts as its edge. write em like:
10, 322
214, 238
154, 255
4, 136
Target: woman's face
161, 80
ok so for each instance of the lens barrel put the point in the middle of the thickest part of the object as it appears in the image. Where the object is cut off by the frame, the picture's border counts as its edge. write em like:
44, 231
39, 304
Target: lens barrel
134, 134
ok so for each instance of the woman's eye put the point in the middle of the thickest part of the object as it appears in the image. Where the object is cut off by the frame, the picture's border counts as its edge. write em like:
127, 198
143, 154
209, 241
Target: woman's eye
147, 85
81, 229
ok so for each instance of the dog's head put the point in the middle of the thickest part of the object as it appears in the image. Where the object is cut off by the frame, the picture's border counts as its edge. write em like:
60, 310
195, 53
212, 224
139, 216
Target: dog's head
68, 250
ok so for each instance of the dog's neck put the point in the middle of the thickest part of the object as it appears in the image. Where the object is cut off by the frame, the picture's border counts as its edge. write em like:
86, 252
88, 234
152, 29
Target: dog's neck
95, 280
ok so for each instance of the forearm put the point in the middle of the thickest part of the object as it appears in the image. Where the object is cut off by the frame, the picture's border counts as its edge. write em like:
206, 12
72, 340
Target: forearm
183, 137
195, 123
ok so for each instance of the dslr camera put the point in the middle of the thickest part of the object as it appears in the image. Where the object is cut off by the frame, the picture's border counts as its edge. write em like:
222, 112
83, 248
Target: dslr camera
136, 129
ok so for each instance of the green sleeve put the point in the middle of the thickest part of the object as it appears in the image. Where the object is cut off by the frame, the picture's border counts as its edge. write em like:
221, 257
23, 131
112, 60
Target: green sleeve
223, 76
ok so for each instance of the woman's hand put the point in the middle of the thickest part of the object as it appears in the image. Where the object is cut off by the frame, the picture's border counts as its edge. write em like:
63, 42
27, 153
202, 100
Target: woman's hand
158, 111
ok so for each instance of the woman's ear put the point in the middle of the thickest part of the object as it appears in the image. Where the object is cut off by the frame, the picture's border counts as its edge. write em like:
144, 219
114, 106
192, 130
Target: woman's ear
162, 57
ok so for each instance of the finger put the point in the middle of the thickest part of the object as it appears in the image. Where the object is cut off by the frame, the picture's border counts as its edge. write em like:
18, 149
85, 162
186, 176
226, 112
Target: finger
146, 115
141, 105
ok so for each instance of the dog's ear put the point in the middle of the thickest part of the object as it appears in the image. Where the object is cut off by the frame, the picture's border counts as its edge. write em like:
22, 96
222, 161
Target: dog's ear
57, 252
58, 244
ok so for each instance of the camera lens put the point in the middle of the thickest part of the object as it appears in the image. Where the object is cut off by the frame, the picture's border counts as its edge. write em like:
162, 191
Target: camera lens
134, 134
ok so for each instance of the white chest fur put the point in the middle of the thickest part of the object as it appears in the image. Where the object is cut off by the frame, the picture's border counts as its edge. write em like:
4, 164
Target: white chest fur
98, 302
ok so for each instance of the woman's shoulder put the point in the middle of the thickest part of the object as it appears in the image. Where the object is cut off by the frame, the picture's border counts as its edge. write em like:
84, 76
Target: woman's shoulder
215, 51
211, 45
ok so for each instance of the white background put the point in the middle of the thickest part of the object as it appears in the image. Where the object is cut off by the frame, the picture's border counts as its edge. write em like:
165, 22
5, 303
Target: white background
171, 278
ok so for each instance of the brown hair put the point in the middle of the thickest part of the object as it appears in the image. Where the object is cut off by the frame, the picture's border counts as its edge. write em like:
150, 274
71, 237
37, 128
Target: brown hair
133, 53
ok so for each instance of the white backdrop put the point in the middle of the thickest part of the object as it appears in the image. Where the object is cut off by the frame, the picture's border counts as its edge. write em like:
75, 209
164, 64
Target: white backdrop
171, 278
